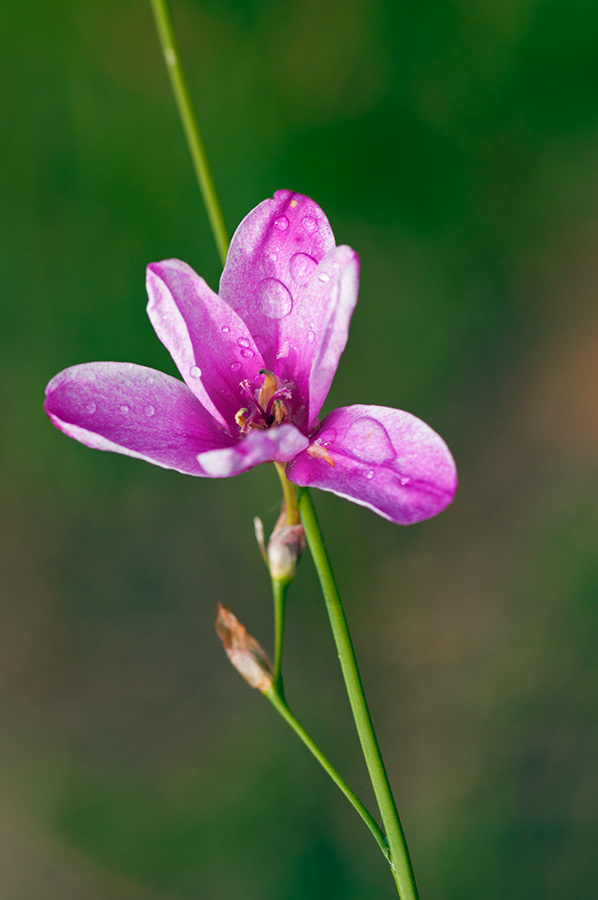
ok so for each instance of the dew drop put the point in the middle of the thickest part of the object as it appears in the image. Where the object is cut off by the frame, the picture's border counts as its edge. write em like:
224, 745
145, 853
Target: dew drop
246, 353
309, 223
405, 480
282, 223
225, 329
273, 256
301, 267
368, 440
328, 436
149, 410
243, 342
195, 372
235, 366
324, 277
283, 350
91, 407
311, 336
369, 474
275, 298
129, 366
124, 409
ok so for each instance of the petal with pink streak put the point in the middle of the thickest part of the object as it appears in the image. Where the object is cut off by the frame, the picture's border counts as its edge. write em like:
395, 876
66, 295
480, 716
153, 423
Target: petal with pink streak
136, 411
210, 344
282, 276
279, 444
385, 459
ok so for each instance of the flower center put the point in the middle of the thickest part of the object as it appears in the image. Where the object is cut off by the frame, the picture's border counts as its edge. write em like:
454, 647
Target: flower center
267, 406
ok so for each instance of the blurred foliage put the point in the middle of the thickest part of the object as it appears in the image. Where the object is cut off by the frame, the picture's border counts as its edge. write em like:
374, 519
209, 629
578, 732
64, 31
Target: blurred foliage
454, 145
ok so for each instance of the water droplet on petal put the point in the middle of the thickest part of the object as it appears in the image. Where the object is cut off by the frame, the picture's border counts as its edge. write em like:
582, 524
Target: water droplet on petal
124, 409
311, 336
243, 342
328, 436
195, 372
369, 474
235, 366
368, 440
309, 223
282, 223
324, 277
246, 353
273, 256
91, 407
405, 480
283, 350
301, 267
225, 329
149, 410
275, 298
129, 366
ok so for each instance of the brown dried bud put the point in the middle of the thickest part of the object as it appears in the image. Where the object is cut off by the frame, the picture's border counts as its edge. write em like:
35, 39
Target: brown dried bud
247, 656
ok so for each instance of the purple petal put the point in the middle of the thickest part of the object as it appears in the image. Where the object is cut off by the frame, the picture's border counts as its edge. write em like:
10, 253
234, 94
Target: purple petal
136, 411
293, 288
280, 444
383, 458
210, 344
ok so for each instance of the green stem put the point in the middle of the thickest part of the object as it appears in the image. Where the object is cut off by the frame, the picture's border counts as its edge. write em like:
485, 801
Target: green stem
399, 854
281, 707
170, 49
289, 492
279, 590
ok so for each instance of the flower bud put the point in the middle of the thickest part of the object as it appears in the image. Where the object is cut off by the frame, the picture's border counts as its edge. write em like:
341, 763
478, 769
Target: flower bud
247, 656
285, 547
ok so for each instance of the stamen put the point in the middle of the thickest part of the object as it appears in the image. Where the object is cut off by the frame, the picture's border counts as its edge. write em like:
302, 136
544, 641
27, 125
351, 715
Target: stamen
320, 452
268, 388
241, 417
279, 411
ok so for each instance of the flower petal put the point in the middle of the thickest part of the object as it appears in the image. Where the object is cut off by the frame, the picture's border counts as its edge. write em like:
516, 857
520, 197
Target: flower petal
385, 459
293, 288
209, 343
136, 411
281, 444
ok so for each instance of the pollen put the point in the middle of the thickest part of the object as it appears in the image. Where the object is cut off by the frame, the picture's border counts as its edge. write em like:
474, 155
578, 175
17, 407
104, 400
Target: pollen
320, 452
293, 204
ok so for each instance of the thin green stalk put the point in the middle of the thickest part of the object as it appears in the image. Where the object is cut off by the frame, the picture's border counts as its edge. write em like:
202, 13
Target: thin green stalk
281, 707
399, 854
289, 492
170, 49
279, 590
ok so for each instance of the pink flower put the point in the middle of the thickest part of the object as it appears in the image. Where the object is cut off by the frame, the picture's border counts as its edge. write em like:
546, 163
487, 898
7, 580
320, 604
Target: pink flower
257, 361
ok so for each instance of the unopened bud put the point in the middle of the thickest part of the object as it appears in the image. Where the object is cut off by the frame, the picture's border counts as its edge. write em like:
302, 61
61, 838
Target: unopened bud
286, 544
247, 656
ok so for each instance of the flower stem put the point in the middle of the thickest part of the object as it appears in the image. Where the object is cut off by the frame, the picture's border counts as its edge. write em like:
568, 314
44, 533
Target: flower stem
399, 854
290, 495
280, 587
170, 49
281, 707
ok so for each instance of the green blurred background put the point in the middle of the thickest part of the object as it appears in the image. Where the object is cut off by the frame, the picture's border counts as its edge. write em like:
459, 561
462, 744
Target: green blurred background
454, 145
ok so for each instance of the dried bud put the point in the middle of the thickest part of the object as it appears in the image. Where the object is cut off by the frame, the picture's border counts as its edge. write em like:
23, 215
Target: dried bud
286, 544
247, 656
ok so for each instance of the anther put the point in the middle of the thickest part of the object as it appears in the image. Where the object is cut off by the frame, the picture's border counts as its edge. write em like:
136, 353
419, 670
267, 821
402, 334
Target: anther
320, 452
268, 388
